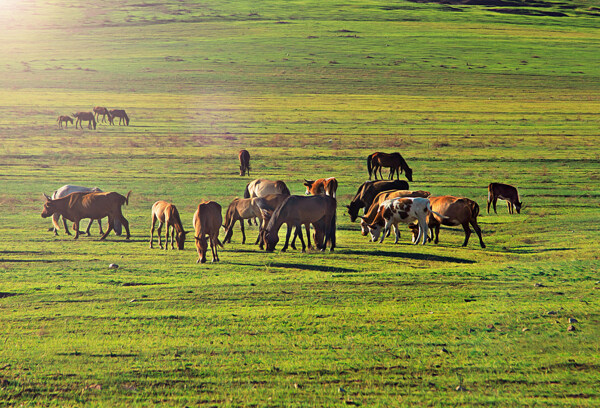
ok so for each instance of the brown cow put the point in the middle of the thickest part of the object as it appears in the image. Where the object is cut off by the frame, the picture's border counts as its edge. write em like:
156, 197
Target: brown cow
244, 157
77, 206
87, 116
380, 198
504, 192
167, 214
368, 190
321, 186
207, 221
458, 210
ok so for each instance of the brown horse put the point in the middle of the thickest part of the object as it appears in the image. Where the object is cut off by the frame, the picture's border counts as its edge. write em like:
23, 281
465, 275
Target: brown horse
380, 198
118, 113
297, 210
394, 161
65, 119
262, 187
244, 157
504, 192
167, 214
245, 208
99, 110
458, 211
87, 116
321, 186
368, 190
65, 191
207, 221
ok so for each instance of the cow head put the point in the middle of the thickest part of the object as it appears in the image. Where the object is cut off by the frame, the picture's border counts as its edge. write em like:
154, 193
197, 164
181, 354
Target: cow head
374, 228
308, 184
49, 207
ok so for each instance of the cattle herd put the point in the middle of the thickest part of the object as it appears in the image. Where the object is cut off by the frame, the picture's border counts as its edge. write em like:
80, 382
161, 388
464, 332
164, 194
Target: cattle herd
93, 117
269, 203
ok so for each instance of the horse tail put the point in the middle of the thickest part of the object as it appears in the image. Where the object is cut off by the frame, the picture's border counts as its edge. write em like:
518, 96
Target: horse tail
474, 208
127, 198
370, 165
247, 191
94, 122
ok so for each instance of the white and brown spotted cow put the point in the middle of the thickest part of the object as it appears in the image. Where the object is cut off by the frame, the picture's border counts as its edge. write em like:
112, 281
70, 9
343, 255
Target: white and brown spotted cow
405, 210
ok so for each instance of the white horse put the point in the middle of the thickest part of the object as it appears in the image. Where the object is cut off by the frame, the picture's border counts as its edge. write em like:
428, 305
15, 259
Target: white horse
65, 191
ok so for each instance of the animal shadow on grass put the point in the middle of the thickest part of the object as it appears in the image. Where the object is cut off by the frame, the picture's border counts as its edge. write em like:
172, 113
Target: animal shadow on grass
527, 250
307, 267
406, 255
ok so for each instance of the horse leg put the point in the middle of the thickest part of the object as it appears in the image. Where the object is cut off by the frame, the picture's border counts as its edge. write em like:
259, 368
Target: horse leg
477, 231
110, 228
243, 232
287, 237
159, 231
151, 230
467, 233
76, 227
214, 249
100, 225
307, 228
167, 235
172, 236
87, 231
510, 207
126, 225
494, 201
298, 234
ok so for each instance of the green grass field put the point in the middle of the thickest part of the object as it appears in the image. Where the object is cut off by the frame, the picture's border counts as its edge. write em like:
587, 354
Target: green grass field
469, 94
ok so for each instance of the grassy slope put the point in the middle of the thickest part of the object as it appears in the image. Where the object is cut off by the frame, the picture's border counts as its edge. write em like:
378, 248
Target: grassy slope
310, 88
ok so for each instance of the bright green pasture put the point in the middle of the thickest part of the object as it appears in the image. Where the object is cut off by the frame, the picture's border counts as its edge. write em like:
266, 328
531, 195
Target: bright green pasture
467, 94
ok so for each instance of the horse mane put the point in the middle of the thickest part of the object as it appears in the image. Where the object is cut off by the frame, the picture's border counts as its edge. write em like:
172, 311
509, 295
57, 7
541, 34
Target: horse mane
277, 213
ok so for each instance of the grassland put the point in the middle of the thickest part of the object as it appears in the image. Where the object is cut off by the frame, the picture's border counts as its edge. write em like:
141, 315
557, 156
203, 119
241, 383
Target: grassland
467, 94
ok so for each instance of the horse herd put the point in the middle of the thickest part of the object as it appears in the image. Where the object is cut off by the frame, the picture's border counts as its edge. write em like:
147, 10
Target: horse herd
385, 204
93, 117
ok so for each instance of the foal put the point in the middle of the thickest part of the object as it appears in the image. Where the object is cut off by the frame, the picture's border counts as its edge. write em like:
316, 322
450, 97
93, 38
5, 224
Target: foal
167, 214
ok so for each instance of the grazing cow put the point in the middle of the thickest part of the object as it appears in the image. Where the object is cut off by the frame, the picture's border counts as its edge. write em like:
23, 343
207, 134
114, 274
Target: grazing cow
504, 192
405, 210
100, 110
118, 113
167, 214
245, 208
77, 206
368, 190
65, 191
321, 186
380, 198
297, 210
244, 157
65, 119
84, 116
458, 211
207, 221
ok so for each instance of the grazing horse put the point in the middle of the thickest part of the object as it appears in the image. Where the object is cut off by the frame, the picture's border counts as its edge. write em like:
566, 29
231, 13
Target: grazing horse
321, 186
100, 110
245, 208
368, 191
262, 187
394, 161
458, 211
380, 198
504, 192
65, 191
207, 221
87, 116
77, 206
297, 210
118, 113
65, 119
167, 214
244, 157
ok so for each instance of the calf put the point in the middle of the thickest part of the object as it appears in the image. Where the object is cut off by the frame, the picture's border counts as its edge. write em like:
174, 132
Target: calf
77, 206
207, 221
504, 192
380, 198
321, 186
405, 210
368, 190
458, 211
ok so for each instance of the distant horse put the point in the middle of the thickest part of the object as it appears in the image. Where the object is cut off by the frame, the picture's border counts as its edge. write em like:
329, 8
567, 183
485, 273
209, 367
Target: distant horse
65, 119
368, 191
65, 191
118, 113
99, 110
207, 221
262, 187
504, 192
84, 116
297, 210
321, 186
244, 157
167, 214
245, 208
394, 161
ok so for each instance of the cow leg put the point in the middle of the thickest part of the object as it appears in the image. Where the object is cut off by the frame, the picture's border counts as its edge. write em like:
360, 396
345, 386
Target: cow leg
397, 233
489, 201
494, 201
467, 233
510, 207
152, 230
425, 231
243, 232
477, 231
437, 233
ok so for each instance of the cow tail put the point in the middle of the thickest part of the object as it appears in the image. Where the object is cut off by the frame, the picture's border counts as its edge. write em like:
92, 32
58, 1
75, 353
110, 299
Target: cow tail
369, 165
247, 192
